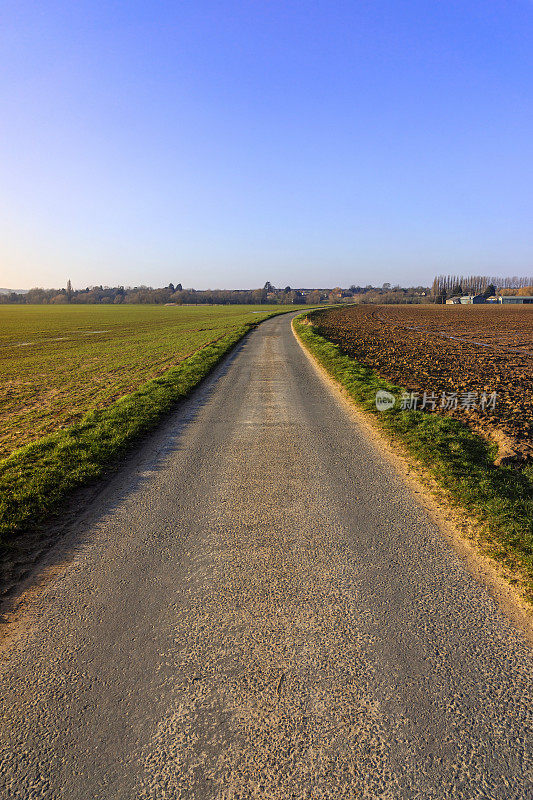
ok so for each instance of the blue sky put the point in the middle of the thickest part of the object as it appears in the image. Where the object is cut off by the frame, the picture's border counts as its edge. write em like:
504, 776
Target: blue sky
223, 144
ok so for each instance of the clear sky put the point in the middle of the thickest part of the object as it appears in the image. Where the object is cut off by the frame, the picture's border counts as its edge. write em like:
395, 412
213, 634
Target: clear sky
223, 143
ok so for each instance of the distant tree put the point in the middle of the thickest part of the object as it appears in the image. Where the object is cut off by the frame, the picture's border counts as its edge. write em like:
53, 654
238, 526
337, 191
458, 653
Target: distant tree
291, 296
179, 287
171, 287
371, 297
335, 296
69, 290
38, 295
287, 289
268, 287
525, 291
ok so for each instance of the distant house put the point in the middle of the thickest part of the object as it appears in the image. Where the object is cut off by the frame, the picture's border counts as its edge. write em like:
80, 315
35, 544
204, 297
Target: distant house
453, 301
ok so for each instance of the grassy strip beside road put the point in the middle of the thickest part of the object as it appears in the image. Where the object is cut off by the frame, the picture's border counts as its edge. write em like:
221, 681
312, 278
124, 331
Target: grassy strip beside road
499, 498
36, 478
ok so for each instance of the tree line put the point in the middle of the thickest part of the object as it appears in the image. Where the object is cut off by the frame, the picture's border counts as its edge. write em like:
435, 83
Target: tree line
456, 285
174, 294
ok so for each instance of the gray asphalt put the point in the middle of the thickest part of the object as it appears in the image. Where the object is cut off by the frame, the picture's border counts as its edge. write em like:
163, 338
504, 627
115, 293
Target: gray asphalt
257, 607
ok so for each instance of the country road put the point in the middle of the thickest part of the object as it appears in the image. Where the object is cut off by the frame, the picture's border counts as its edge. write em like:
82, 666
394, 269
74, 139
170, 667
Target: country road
257, 606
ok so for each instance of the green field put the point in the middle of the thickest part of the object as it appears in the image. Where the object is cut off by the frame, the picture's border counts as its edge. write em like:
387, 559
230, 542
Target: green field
58, 362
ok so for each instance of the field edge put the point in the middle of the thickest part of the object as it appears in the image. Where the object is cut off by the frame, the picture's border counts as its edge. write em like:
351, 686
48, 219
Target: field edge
454, 465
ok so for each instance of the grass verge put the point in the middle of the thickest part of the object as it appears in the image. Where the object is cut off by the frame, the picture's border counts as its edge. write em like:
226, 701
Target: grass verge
498, 498
35, 479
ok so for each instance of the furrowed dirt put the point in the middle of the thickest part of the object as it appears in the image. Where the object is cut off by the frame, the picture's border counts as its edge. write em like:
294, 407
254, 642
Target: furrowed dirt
451, 350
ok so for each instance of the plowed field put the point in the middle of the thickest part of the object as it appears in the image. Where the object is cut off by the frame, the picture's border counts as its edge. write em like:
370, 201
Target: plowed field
453, 350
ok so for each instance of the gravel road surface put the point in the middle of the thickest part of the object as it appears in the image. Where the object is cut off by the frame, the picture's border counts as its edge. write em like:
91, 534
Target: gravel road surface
258, 607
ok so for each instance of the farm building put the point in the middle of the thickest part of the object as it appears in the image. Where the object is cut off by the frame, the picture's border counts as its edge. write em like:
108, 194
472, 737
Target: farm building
514, 300
472, 298
468, 299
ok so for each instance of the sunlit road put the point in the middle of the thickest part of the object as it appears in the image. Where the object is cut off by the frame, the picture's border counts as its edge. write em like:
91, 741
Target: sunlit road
258, 608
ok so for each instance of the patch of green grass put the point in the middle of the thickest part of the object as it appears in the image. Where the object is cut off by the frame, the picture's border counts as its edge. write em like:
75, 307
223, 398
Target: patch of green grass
35, 479
499, 498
